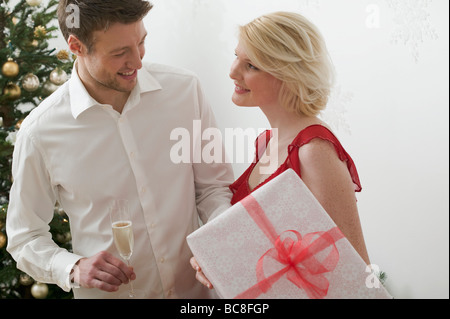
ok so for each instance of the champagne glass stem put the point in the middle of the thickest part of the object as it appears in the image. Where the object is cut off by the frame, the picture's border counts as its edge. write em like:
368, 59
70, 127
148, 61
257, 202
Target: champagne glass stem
131, 292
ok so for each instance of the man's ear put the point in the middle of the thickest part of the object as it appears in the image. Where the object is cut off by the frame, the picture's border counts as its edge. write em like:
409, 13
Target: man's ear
76, 46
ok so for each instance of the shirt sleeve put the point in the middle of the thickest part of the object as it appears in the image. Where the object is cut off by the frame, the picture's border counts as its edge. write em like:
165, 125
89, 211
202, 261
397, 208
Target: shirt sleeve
30, 210
212, 175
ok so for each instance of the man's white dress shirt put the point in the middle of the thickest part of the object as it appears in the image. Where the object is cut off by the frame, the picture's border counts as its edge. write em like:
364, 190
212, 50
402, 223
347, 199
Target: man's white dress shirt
73, 150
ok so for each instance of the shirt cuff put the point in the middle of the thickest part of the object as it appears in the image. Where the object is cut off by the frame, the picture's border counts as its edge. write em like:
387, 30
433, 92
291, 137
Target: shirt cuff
62, 267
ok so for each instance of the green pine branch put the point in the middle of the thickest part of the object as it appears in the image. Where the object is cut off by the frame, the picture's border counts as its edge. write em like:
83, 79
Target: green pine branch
21, 41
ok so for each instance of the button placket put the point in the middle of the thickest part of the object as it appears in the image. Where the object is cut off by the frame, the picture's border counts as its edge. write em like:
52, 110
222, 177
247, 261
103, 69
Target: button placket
129, 145
127, 137
125, 128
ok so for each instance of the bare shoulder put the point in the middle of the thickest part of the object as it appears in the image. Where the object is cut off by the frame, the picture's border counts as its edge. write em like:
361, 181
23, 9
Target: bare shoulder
318, 152
322, 169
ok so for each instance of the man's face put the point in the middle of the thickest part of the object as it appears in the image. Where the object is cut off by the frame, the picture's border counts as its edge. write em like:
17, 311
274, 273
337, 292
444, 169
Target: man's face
115, 57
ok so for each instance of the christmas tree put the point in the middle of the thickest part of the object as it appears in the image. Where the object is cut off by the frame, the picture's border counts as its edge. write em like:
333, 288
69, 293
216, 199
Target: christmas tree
30, 71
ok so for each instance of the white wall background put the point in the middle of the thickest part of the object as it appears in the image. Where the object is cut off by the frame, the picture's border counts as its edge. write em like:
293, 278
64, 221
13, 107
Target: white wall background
390, 110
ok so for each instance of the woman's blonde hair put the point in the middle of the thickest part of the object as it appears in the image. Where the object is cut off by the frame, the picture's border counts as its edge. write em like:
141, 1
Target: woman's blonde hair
289, 47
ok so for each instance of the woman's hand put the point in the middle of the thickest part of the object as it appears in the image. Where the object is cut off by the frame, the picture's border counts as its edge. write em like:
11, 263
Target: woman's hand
200, 276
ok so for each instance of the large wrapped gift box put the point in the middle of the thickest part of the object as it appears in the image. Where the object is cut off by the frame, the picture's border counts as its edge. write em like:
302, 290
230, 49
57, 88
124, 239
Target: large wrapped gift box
280, 243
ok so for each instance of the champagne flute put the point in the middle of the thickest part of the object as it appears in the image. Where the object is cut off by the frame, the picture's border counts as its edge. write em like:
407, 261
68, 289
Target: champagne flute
122, 228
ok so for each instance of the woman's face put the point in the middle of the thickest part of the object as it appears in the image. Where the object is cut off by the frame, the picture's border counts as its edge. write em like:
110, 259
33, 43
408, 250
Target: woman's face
253, 86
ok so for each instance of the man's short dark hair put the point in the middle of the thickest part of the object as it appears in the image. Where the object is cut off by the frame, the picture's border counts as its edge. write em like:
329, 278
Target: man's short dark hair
96, 15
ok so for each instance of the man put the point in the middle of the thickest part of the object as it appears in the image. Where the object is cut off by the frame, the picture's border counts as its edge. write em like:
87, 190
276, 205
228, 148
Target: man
104, 135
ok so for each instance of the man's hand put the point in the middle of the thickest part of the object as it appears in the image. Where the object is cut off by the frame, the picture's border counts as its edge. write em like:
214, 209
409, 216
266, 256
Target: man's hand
102, 271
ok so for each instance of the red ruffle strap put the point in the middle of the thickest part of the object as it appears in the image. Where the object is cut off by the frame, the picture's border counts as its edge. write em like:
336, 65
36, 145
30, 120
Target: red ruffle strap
319, 131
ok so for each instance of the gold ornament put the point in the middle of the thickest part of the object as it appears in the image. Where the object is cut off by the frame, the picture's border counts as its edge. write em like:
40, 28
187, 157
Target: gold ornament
10, 69
49, 88
62, 55
64, 238
34, 3
39, 290
12, 91
2, 240
58, 76
25, 280
40, 32
30, 82
60, 211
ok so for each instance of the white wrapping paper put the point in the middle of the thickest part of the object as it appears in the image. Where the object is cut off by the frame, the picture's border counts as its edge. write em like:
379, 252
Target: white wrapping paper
229, 248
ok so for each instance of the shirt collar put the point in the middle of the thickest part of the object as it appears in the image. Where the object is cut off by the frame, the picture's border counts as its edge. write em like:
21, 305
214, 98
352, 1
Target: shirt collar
80, 100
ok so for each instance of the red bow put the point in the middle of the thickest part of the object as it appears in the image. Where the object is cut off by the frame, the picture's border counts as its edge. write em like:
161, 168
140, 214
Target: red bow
298, 255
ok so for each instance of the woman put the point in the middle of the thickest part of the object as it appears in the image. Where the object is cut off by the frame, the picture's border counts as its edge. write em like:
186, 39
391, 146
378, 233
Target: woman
283, 67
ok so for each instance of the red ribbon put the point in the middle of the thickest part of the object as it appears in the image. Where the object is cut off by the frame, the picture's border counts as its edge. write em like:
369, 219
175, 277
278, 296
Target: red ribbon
298, 255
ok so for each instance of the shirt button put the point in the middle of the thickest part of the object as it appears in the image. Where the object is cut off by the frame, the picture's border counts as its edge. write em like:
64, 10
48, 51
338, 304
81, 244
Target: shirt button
169, 293
143, 190
132, 155
162, 260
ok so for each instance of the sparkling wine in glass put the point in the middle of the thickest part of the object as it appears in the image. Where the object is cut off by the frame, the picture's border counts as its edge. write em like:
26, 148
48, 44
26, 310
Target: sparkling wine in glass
122, 228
